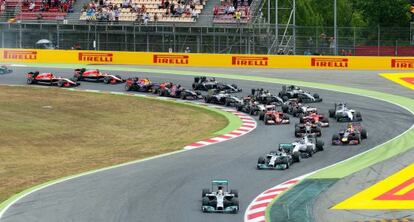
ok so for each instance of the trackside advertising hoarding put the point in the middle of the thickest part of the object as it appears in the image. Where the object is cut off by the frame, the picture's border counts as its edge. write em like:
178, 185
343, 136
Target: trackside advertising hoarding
205, 60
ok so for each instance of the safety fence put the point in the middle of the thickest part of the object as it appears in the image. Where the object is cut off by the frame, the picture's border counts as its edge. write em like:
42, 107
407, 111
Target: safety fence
205, 60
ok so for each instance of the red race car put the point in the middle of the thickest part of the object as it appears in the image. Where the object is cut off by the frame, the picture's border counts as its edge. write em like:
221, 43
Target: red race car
49, 79
271, 116
95, 75
314, 118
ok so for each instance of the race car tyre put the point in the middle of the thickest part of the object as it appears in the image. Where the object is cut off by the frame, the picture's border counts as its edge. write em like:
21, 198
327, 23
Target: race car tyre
30, 81
261, 116
296, 157
318, 131
309, 151
235, 202
204, 192
226, 102
194, 86
285, 108
319, 145
265, 120
107, 80
364, 134
161, 92
301, 120
358, 116
285, 98
61, 83
183, 96
261, 160
207, 99
335, 137
128, 87
205, 201
316, 96
239, 108
332, 113
235, 192
297, 132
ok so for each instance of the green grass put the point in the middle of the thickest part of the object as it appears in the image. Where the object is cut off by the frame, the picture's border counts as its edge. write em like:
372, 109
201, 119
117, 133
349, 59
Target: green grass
52, 133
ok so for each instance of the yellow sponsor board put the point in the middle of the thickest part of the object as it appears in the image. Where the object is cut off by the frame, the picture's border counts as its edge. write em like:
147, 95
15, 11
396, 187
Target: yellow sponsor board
394, 193
404, 79
205, 60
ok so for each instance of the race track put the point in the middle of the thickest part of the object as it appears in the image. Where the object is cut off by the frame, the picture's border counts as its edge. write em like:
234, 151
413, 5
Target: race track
169, 188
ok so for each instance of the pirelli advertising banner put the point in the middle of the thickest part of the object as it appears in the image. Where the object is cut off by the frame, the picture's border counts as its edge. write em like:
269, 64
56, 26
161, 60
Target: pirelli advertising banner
205, 60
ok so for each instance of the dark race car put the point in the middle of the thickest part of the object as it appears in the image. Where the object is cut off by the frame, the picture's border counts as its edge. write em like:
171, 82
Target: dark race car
314, 118
295, 108
219, 199
265, 97
5, 70
352, 135
140, 85
307, 128
169, 89
277, 160
294, 92
222, 98
49, 79
250, 106
204, 84
95, 75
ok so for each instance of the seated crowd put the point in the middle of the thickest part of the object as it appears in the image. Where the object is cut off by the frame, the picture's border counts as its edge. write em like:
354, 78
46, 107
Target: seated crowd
142, 11
40, 9
232, 11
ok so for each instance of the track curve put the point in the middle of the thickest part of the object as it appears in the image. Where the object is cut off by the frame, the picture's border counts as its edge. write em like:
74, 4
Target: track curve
168, 188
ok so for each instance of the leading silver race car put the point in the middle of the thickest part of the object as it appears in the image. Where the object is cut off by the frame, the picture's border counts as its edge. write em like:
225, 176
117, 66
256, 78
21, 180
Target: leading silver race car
343, 114
280, 159
219, 199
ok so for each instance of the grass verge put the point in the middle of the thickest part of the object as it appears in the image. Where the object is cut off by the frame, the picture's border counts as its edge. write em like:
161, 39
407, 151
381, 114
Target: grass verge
52, 133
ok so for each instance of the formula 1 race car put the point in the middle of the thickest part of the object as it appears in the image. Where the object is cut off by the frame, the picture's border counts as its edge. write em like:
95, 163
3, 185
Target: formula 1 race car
314, 118
95, 75
290, 92
250, 106
49, 79
277, 160
302, 129
307, 146
295, 108
219, 199
222, 98
352, 135
5, 70
204, 84
176, 91
271, 116
343, 114
140, 85
265, 97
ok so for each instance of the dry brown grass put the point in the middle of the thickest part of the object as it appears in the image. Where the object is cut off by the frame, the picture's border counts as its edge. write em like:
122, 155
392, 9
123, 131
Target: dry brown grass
51, 133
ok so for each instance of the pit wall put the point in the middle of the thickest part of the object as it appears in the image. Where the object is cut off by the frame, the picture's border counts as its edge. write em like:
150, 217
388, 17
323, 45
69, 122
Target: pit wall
205, 60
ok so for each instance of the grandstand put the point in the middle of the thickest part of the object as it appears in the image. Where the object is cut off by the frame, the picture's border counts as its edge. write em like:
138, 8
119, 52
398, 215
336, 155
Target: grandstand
201, 12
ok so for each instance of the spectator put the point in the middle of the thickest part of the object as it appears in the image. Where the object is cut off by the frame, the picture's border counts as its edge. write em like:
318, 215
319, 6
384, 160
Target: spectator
280, 52
162, 4
143, 9
216, 10
187, 50
194, 14
179, 11
238, 15
332, 45
155, 17
231, 10
2, 6
172, 9
125, 4
349, 53
166, 4
32, 6
116, 14
136, 8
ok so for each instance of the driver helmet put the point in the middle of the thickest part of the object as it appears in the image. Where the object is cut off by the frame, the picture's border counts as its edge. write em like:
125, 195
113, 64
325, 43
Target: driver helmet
220, 190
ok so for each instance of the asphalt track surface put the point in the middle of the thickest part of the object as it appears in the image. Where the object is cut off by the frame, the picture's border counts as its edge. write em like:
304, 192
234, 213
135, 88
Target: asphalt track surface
169, 188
